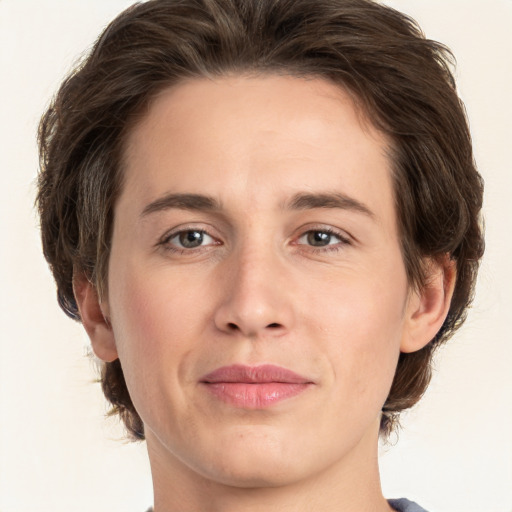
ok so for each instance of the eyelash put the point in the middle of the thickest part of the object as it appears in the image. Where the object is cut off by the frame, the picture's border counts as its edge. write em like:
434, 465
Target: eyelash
165, 242
343, 241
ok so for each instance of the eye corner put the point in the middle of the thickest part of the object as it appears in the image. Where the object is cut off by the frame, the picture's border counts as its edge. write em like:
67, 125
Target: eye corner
321, 237
176, 240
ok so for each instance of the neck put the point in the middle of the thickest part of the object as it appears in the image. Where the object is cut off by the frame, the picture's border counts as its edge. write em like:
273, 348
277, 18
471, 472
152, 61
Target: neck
349, 485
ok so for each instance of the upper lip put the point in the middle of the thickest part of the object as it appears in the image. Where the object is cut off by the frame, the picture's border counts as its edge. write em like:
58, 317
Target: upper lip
261, 374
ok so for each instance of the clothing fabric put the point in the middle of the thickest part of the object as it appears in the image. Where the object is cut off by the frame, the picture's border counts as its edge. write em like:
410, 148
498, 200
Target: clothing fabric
404, 505
401, 505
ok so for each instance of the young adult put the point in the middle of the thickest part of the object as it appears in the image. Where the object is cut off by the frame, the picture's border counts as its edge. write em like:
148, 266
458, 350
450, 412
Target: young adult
265, 213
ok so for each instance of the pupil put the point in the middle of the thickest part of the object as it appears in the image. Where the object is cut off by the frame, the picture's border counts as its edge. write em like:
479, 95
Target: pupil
191, 239
319, 238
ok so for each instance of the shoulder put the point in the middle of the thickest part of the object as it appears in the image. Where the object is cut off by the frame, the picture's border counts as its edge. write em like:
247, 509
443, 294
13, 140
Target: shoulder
401, 505
404, 505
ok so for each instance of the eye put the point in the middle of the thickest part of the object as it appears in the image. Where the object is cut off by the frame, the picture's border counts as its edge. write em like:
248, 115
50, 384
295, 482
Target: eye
189, 239
322, 238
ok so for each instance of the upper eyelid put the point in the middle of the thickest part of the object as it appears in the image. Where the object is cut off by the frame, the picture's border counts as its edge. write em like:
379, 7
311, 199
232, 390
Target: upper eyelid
330, 232
177, 233
342, 234
171, 233
165, 242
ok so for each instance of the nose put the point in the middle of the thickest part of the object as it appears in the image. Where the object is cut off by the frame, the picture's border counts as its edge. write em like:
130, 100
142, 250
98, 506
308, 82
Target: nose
257, 297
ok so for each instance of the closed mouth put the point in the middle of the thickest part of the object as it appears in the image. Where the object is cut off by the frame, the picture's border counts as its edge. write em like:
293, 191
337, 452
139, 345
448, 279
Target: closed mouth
254, 387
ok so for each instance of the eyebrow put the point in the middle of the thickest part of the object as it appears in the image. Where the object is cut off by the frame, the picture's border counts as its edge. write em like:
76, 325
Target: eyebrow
301, 201
333, 200
196, 202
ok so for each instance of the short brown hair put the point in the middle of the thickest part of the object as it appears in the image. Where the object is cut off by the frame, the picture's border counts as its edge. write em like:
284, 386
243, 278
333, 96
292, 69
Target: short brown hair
401, 80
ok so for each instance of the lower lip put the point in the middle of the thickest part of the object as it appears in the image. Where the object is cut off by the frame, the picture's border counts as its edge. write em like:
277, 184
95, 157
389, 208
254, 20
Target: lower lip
255, 395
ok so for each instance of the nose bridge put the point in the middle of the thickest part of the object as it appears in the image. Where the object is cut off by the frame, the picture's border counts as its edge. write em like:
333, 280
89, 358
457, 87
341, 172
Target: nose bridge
254, 271
257, 299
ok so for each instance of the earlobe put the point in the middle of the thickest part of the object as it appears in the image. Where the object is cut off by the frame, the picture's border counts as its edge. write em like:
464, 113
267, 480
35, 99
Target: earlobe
427, 308
95, 319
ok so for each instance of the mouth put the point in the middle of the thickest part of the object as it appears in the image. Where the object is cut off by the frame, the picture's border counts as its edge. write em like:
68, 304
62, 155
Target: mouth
254, 387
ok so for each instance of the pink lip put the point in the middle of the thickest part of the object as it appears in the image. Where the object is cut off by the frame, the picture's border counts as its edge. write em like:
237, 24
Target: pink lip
254, 387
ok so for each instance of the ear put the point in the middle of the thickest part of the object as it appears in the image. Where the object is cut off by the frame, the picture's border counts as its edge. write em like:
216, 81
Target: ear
427, 308
95, 319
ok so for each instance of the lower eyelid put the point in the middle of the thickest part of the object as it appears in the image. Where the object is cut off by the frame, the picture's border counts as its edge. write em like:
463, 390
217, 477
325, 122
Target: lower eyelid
205, 240
341, 239
167, 238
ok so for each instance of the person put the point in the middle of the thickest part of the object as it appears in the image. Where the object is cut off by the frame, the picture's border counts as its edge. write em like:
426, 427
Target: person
266, 215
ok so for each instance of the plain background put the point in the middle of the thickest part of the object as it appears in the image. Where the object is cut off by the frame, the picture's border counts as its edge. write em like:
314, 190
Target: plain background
58, 453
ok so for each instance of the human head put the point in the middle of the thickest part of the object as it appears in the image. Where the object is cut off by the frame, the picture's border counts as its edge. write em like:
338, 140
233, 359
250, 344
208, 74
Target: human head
400, 81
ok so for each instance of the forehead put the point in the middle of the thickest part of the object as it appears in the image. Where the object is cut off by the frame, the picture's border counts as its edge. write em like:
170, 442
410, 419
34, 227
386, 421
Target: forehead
241, 136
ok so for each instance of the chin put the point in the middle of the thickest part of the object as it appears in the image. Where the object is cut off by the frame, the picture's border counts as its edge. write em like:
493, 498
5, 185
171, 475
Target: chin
255, 475
254, 460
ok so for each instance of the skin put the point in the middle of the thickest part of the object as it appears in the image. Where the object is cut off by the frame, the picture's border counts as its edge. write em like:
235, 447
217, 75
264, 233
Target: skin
260, 288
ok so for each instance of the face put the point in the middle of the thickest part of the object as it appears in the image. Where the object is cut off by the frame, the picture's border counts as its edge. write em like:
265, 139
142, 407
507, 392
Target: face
257, 293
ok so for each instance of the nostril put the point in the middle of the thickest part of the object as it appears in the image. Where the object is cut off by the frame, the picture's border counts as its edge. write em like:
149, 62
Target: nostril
274, 326
232, 326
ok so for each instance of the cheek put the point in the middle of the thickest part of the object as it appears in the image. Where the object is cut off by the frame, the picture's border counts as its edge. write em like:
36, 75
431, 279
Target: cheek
150, 309
361, 323
363, 306
156, 330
